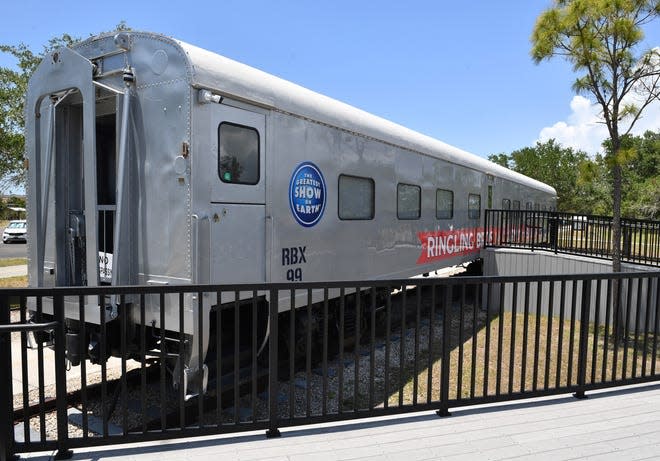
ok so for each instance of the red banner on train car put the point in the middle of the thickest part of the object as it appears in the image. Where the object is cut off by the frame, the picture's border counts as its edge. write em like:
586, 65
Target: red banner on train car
438, 245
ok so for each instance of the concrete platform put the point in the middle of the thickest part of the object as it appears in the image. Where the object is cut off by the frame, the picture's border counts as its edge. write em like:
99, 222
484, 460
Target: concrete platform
620, 424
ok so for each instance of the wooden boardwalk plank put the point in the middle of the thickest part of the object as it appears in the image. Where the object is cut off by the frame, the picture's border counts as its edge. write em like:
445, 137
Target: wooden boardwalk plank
611, 424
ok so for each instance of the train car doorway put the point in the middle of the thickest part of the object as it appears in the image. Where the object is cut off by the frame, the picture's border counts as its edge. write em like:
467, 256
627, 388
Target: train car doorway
238, 196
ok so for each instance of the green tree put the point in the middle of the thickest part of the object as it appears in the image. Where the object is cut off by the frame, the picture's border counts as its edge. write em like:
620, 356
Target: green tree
13, 87
600, 39
594, 188
501, 159
584, 184
641, 177
16, 201
552, 164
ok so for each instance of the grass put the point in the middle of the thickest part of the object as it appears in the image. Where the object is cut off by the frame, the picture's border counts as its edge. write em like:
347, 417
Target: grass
20, 281
554, 364
642, 243
13, 262
595, 239
535, 353
14, 282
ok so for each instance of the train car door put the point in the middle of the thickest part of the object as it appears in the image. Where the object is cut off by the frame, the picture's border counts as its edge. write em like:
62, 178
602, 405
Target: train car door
238, 197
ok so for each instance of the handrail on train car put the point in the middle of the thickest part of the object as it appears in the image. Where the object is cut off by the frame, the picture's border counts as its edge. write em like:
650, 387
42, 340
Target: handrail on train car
119, 238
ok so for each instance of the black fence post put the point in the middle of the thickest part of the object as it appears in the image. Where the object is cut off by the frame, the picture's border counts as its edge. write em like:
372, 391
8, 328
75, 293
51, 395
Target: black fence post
570, 233
6, 393
273, 387
583, 345
554, 231
446, 331
505, 223
487, 215
626, 235
60, 380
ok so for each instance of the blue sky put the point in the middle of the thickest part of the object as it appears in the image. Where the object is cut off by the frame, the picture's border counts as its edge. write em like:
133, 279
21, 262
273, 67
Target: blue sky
458, 71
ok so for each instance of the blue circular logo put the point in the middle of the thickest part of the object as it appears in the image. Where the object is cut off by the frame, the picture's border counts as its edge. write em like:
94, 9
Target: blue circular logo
307, 194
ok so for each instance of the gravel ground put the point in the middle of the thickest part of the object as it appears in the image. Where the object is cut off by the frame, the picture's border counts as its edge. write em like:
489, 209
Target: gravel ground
309, 398
361, 372
92, 378
343, 372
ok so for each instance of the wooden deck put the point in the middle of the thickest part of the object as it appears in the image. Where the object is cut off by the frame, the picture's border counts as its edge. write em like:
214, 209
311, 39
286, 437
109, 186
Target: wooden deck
618, 424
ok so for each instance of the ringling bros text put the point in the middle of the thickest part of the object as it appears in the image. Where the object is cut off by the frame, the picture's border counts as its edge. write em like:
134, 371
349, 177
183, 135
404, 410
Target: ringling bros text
438, 245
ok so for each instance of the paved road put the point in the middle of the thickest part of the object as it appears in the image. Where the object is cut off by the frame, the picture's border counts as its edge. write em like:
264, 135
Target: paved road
13, 250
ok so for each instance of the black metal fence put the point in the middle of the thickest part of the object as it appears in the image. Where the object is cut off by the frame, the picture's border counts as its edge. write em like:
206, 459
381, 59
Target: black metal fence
349, 350
574, 234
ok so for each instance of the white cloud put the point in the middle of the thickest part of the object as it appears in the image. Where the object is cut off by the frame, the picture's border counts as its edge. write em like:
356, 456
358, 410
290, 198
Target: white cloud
583, 130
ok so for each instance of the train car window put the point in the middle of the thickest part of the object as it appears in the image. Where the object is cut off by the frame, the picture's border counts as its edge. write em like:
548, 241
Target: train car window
444, 204
528, 205
516, 204
408, 201
506, 204
474, 206
356, 198
238, 154
537, 207
490, 197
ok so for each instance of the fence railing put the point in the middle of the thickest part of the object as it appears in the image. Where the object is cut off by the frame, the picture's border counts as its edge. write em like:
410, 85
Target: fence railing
574, 234
349, 350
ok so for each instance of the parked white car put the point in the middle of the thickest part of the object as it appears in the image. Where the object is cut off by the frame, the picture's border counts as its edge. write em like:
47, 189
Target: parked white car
16, 231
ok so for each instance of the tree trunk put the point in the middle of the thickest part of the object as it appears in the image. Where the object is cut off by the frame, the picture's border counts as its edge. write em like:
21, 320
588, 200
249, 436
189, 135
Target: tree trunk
616, 249
616, 217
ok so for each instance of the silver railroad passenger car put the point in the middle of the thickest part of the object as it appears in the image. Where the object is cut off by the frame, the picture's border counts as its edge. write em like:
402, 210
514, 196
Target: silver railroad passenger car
152, 161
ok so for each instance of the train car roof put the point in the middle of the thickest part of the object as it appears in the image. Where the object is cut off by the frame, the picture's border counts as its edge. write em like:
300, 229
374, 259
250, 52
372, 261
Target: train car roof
236, 80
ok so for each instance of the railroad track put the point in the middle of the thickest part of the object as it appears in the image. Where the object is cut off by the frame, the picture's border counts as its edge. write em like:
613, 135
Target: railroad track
133, 404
